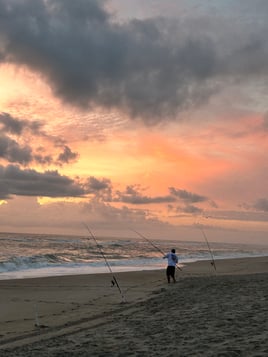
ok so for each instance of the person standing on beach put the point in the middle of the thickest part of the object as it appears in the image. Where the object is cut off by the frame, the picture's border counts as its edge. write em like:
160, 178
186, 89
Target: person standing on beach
172, 262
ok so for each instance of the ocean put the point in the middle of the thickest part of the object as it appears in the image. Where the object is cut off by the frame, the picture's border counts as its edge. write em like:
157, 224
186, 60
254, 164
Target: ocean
39, 255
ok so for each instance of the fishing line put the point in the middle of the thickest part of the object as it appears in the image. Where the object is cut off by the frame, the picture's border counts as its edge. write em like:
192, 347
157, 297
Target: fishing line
211, 254
152, 244
114, 280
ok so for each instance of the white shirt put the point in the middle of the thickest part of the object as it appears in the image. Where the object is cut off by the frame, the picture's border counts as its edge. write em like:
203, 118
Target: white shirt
172, 259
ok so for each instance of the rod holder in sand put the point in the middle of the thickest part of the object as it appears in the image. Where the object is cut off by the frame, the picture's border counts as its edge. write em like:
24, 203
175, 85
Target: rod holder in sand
37, 324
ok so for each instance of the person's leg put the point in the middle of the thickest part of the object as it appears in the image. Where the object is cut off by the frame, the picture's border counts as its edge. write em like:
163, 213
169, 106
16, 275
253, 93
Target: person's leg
168, 274
173, 274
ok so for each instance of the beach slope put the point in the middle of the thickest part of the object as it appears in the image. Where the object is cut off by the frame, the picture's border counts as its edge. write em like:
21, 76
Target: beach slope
206, 313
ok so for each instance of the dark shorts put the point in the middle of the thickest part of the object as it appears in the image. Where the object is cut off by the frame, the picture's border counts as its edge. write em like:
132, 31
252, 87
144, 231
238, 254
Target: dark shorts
171, 271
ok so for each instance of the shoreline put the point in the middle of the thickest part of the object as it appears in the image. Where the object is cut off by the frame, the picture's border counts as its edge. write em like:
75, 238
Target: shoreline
87, 270
62, 309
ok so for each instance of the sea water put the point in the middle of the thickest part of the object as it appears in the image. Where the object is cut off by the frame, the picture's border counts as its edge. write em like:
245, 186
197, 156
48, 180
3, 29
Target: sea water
35, 255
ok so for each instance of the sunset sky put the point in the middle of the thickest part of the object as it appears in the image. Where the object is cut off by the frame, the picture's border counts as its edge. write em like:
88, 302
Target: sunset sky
135, 114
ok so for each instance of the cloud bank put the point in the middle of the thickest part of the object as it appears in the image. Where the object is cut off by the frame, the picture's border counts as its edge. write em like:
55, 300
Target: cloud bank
29, 182
151, 68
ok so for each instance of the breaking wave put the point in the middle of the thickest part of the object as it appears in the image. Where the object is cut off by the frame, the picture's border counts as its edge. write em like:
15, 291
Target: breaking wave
24, 253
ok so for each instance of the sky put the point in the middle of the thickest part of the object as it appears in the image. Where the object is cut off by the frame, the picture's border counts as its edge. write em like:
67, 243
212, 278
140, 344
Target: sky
126, 114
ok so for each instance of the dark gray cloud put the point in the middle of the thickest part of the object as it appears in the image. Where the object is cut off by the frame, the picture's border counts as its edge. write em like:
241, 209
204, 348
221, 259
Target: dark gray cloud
151, 68
261, 204
95, 185
191, 209
100, 188
133, 195
11, 151
15, 181
16, 126
43, 159
187, 196
28, 182
186, 209
15, 134
67, 155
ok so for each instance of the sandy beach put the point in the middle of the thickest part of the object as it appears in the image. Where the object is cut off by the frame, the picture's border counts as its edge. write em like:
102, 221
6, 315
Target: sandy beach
206, 313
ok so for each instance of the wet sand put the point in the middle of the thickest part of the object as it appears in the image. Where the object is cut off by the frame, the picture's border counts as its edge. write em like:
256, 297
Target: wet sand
206, 313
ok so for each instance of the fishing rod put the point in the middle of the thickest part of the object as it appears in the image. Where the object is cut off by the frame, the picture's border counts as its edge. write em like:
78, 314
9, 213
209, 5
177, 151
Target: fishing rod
211, 254
152, 244
114, 280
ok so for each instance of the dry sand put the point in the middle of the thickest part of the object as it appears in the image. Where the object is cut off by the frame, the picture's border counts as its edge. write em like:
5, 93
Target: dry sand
206, 313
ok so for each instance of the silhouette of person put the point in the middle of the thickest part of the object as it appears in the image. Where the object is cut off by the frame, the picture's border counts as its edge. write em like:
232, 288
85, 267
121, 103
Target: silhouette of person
172, 262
